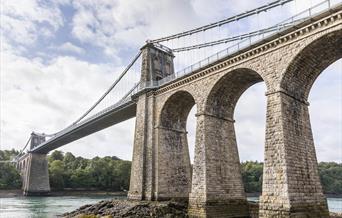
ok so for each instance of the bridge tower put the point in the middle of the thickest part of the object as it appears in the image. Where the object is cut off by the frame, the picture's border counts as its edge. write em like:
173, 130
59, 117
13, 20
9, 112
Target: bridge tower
35, 170
145, 184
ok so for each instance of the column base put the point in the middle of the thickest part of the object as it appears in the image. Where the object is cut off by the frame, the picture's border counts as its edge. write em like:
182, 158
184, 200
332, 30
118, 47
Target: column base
219, 208
295, 210
135, 196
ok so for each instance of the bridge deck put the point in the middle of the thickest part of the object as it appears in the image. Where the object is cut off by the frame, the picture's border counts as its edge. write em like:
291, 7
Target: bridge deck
111, 117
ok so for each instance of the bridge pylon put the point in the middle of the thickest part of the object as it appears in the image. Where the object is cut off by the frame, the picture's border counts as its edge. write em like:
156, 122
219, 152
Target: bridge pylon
157, 63
34, 170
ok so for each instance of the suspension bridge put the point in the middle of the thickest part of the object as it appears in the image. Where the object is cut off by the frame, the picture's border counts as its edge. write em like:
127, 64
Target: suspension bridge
169, 75
124, 107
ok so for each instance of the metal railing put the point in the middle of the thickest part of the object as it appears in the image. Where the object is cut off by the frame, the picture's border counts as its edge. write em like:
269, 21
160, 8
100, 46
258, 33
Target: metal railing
286, 24
125, 100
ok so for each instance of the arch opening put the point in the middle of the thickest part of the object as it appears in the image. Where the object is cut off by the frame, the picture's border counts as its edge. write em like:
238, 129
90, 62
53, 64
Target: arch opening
174, 165
224, 96
250, 123
304, 69
326, 96
217, 147
221, 104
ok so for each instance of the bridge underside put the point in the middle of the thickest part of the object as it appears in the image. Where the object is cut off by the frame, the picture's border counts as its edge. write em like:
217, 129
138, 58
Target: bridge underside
112, 117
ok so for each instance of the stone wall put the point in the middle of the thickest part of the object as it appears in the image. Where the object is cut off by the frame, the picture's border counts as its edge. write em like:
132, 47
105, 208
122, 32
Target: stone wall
291, 185
35, 175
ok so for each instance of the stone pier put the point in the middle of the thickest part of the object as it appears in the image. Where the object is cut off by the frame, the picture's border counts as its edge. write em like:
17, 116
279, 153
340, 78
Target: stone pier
36, 177
34, 170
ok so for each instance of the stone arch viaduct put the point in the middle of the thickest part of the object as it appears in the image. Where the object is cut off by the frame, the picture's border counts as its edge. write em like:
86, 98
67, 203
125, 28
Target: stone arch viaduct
288, 63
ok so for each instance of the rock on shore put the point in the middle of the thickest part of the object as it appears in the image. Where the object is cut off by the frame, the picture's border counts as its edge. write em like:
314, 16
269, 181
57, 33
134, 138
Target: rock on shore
125, 208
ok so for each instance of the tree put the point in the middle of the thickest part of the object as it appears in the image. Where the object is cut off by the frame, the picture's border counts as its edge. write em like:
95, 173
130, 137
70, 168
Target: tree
56, 173
331, 177
252, 176
81, 178
56, 155
9, 176
69, 160
8, 154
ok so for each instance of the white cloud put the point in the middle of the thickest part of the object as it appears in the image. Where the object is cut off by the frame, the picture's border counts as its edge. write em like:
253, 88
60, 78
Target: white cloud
24, 22
128, 23
69, 47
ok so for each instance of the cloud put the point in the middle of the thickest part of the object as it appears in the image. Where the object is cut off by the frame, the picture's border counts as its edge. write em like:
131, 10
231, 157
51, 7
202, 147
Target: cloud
69, 47
24, 23
45, 90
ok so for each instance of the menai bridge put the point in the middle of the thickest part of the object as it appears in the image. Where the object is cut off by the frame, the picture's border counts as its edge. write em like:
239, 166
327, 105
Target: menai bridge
288, 60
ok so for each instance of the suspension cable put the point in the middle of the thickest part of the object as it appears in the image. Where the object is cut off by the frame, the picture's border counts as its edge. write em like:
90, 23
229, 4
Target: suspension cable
225, 21
110, 89
235, 38
102, 97
21, 151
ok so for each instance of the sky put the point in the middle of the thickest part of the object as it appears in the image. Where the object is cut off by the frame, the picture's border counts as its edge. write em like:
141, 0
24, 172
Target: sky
58, 57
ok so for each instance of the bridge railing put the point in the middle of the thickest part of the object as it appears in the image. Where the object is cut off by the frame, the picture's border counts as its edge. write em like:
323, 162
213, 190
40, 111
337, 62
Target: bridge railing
127, 98
246, 42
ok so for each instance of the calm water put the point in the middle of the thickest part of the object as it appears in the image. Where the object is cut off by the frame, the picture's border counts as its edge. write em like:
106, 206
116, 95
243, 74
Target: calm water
31, 207
41, 207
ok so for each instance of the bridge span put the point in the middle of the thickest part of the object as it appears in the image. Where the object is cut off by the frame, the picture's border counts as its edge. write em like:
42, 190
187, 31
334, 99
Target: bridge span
288, 61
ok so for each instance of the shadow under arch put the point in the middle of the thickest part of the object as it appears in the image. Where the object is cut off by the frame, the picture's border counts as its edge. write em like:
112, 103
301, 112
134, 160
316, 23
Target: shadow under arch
216, 170
173, 160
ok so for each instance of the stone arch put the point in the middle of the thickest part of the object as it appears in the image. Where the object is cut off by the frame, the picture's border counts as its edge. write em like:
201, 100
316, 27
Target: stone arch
309, 63
176, 109
226, 92
216, 171
173, 160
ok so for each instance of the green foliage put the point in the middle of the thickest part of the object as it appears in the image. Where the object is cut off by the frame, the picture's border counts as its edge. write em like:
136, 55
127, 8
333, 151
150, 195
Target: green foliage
8, 154
252, 176
56, 174
331, 177
330, 174
111, 173
9, 176
107, 173
56, 155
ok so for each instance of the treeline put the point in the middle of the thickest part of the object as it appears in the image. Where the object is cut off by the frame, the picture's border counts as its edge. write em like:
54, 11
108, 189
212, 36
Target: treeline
111, 173
68, 171
9, 176
107, 173
330, 174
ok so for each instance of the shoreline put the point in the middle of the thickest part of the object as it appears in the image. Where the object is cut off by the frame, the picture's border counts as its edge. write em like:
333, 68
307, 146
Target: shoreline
74, 192
83, 192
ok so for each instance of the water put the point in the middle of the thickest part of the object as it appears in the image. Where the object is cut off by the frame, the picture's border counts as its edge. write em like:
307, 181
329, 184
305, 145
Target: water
46, 207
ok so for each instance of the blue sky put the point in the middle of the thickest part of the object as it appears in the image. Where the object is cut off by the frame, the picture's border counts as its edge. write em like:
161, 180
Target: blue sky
58, 57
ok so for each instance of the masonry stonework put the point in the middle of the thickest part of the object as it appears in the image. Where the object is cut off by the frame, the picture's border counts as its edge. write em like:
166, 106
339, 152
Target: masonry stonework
35, 175
33, 168
288, 64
